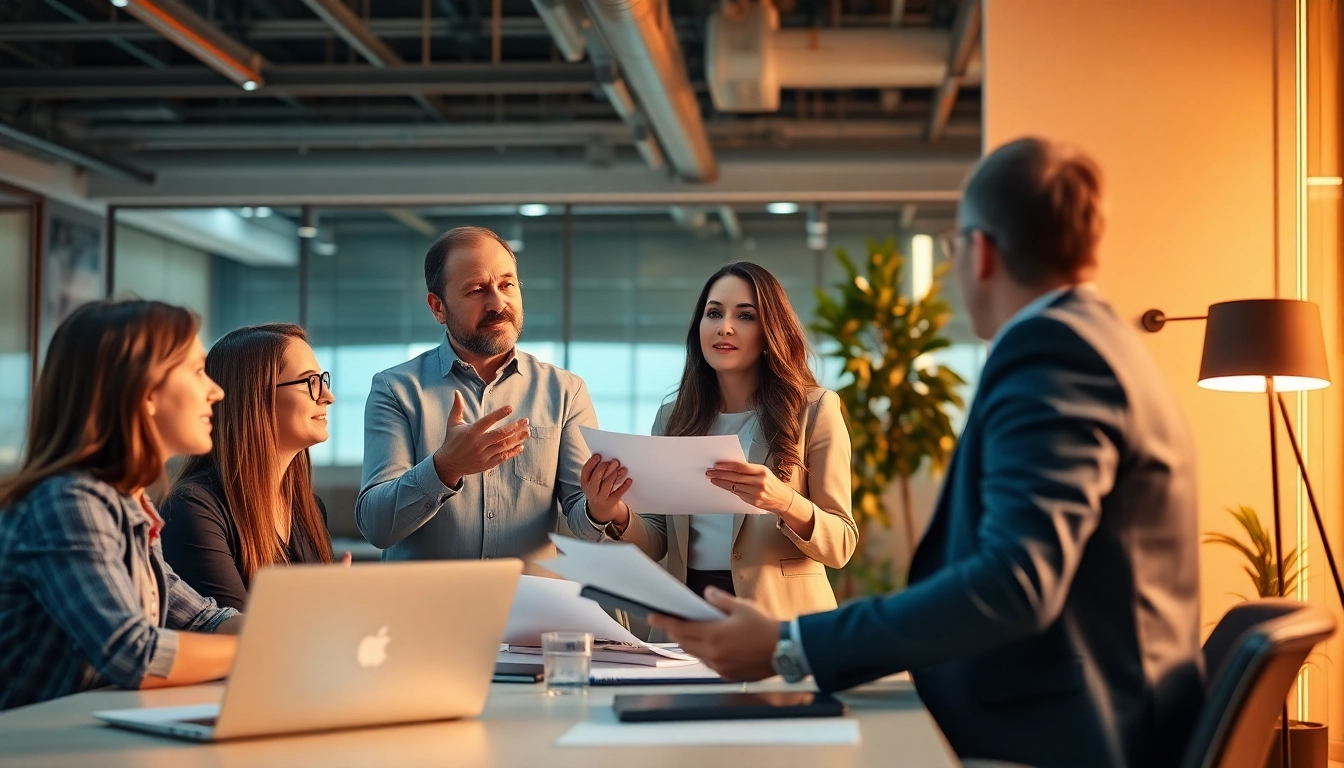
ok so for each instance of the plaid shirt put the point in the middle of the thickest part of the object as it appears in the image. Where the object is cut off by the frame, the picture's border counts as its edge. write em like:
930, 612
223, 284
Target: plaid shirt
75, 558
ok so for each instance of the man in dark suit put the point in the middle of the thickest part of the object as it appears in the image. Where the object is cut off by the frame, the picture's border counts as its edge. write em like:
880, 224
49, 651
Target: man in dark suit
1052, 616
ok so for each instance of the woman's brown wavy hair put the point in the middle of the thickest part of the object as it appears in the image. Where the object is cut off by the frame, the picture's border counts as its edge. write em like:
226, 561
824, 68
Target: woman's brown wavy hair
247, 363
88, 411
783, 372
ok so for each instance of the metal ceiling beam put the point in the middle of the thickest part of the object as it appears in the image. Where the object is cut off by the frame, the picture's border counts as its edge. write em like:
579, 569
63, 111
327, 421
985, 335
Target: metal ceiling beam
356, 34
965, 39
768, 131
198, 37
299, 81
392, 180
82, 23
13, 134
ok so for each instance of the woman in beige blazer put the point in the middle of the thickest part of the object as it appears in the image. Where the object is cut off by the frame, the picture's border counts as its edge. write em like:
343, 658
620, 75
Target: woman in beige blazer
747, 374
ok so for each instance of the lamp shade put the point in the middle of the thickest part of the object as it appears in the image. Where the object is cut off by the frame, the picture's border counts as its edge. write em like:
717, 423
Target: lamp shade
1247, 341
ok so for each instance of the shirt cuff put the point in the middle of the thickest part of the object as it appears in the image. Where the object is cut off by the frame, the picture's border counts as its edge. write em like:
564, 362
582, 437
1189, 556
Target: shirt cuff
427, 480
797, 637
164, 653
223, 615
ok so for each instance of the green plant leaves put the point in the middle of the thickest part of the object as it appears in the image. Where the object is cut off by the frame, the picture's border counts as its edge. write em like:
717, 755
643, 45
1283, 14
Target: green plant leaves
1260, 564
897, 402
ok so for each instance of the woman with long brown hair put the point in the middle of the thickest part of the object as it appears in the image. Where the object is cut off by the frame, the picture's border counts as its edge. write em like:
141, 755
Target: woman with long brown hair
747, 374
249, 503
86, 599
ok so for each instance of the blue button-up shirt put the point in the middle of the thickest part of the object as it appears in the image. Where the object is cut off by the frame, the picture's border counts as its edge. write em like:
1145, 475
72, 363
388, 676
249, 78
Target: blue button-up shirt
507, 511
76, 560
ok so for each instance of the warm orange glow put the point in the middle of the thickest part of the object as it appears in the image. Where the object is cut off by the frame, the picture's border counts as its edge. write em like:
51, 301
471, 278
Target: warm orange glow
173, 29
1257, 383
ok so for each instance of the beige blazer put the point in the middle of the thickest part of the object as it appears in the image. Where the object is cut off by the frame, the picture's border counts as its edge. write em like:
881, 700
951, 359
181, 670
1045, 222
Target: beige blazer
771, 564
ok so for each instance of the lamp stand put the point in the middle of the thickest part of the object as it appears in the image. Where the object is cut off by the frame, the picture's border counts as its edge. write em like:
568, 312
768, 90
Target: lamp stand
1311, 499
1278, 544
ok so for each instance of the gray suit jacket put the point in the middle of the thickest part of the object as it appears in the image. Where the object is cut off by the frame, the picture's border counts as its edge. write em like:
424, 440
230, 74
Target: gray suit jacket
1052, 616
403, 505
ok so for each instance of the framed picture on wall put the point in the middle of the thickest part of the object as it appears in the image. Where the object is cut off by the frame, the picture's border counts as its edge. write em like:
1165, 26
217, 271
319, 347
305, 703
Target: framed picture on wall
73, 267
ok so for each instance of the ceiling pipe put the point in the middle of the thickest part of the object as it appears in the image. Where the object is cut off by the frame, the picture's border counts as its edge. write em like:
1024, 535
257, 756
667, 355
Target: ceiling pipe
642, 40
965, 42
198, 37
749, 59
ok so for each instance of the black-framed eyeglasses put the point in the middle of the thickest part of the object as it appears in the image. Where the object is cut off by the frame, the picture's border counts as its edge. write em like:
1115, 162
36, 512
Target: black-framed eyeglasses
316, 383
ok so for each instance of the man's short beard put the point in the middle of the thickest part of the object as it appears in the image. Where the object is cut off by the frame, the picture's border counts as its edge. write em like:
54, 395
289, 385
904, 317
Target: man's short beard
488, 342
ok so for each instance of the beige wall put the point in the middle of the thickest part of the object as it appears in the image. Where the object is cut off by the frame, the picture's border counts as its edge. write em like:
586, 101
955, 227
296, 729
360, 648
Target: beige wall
1177, 100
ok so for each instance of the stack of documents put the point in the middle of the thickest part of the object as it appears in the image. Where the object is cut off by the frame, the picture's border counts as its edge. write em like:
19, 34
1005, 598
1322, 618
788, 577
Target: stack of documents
667, 474
552, 605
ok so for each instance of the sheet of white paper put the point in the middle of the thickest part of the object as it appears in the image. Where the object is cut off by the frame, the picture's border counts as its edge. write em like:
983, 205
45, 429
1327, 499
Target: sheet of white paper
552, 605
628, 674
801, 732
623, 570
667, 474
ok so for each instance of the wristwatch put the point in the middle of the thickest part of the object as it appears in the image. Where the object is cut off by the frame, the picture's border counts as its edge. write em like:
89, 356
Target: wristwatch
787, 659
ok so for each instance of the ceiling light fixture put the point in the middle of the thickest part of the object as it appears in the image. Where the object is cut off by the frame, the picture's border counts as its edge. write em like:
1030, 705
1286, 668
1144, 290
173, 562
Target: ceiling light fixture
533, 209
782, 209
194, 34
263, 212
307, 232
120, 3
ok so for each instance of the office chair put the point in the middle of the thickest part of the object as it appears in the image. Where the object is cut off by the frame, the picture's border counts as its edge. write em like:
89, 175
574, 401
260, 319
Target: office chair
1251, 660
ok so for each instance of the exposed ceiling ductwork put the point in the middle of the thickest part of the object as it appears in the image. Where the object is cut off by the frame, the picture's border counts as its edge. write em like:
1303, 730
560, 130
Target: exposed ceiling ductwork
749, 59
642, 41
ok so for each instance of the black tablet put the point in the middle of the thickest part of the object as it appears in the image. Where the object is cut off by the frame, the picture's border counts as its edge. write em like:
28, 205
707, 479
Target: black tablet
655, 708
616, 602
509, 672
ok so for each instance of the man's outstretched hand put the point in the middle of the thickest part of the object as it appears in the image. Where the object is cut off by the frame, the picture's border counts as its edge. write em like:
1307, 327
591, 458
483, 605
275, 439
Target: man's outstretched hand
738, 647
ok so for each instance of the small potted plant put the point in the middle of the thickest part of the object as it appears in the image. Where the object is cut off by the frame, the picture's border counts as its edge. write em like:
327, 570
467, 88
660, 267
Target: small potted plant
1308, 743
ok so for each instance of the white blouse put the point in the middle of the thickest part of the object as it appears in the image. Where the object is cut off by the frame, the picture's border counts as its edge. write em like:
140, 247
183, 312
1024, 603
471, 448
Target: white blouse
711, 541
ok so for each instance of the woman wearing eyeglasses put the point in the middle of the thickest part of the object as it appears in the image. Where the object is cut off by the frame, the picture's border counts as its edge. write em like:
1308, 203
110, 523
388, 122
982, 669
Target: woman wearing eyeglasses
249, 503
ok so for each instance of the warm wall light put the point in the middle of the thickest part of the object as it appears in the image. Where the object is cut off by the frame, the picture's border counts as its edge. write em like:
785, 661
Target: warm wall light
1249, 343
1270, 346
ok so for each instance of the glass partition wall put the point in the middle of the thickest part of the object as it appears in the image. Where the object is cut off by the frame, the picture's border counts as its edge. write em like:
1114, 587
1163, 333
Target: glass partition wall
608, 292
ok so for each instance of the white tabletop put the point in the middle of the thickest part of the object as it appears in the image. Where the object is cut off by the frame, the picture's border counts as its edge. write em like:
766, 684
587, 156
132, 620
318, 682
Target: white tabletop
518, 728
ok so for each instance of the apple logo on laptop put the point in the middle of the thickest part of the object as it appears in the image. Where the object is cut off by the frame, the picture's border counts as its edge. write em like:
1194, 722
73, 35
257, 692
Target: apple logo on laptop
372, 651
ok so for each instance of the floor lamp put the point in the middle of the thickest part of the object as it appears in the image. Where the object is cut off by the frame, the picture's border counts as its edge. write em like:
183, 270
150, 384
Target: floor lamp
1270, 346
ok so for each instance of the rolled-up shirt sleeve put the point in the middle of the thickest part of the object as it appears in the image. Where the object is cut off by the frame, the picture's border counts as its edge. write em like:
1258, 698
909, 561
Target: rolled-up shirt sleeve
188, 609
397, 494
73, 560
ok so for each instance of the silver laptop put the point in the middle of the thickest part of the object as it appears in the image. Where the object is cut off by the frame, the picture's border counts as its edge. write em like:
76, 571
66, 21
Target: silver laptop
326, 647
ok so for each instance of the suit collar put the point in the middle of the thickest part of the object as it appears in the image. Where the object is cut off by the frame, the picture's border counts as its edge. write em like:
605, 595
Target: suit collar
1040, 304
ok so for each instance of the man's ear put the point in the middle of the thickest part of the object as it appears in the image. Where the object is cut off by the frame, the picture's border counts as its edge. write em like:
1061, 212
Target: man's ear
437, 307
987, 259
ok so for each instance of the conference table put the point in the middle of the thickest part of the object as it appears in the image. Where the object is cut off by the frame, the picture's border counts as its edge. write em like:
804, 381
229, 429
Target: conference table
519, 727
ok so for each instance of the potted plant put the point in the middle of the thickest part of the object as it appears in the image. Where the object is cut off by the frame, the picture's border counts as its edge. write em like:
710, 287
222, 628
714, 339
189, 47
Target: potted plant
1308, 742
897, 399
